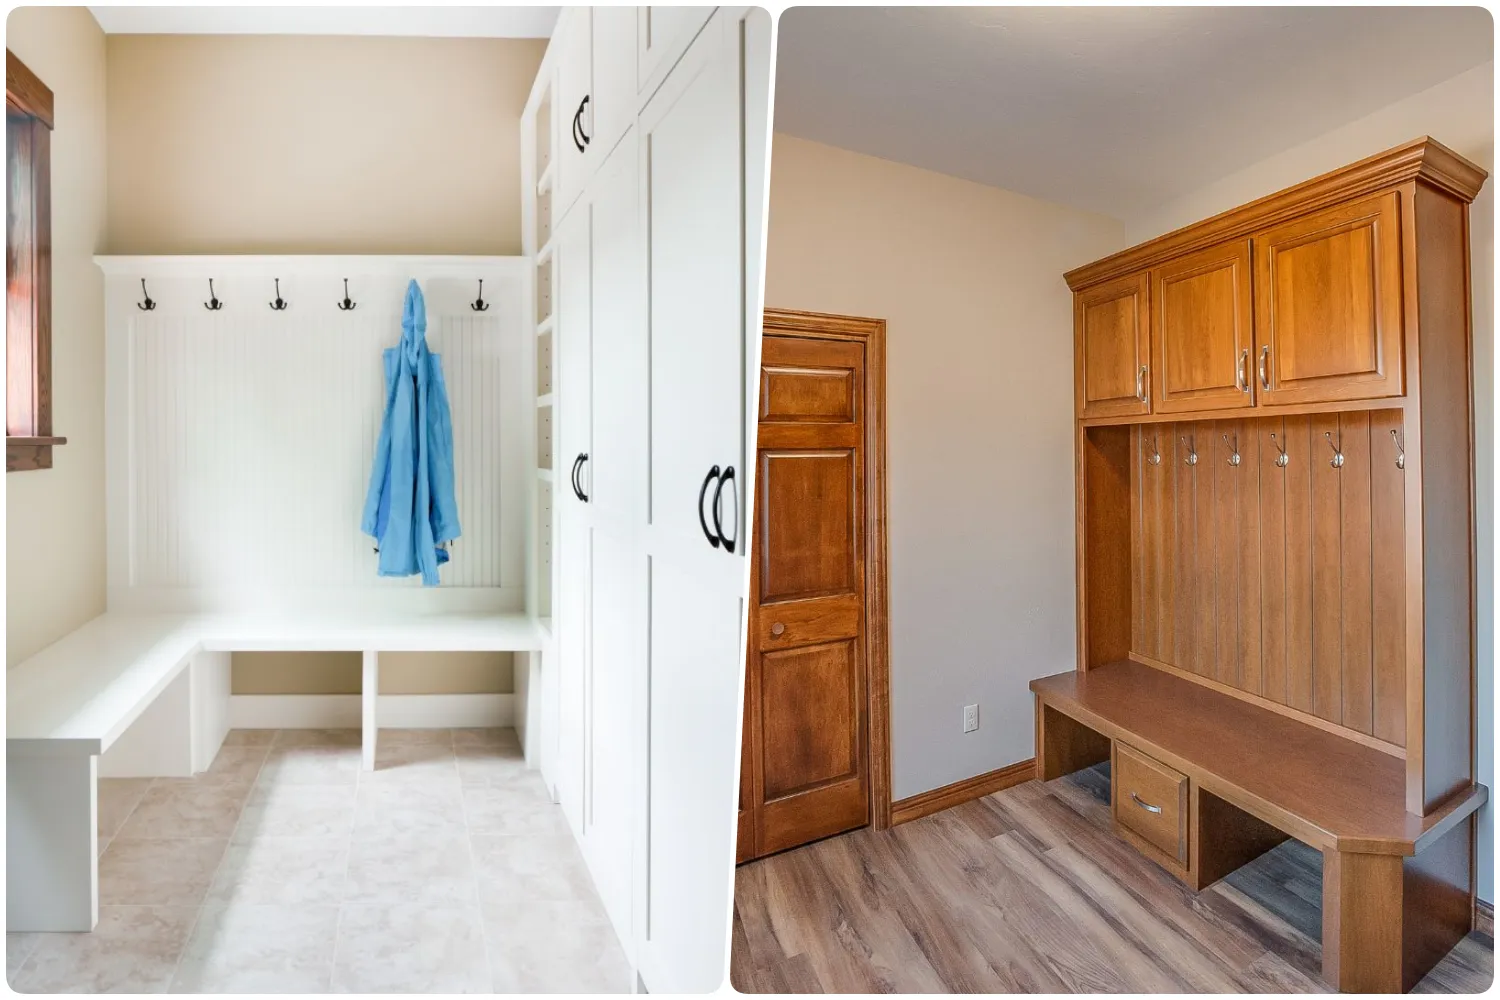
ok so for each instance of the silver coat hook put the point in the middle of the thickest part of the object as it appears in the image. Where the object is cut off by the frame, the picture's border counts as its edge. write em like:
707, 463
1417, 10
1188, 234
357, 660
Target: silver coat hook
1281, 456
1234, 449
1155, 457
1192, 454
1400, 450
1337, 461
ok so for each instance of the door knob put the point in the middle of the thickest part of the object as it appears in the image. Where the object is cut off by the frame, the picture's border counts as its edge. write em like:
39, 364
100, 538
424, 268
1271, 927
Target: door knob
778, 628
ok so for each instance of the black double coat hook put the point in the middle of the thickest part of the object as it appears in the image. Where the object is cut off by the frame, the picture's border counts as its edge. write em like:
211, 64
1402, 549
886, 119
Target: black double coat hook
348, 303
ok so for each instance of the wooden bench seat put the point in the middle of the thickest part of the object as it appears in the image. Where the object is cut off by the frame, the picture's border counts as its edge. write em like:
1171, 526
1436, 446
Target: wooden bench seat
1394, 899
157, 687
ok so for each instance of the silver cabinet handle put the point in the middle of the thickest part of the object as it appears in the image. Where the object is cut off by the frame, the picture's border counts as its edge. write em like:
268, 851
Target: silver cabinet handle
1244, 372
1145, 805
1140, 384
1265, 355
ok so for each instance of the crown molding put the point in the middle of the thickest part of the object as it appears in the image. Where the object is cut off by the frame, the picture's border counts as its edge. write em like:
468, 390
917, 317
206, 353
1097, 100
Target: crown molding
1423, 159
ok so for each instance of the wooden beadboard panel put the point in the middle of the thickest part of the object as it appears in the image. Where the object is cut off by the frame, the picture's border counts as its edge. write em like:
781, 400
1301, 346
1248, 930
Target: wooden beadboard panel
248, 435
1284, 582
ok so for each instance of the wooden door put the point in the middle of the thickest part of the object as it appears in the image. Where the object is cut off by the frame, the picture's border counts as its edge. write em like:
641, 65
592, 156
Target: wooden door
1201, 331
1111, 345
1328, 305
806, 674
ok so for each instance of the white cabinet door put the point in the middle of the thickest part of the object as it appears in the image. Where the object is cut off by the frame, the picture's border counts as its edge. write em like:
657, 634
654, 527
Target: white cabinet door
614, 103
662, 35
616, 488
692, 163
570, 477
575, 67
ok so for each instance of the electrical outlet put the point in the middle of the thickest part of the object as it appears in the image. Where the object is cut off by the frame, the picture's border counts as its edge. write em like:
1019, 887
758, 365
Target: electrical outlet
971, 718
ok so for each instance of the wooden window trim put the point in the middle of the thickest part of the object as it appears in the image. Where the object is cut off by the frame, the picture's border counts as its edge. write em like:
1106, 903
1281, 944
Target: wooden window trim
28, 321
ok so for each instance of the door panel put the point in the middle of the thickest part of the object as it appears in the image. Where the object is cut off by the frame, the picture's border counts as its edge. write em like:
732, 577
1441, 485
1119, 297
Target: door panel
1112, 347
1328, 305
807, 730
573, 336
1200, 308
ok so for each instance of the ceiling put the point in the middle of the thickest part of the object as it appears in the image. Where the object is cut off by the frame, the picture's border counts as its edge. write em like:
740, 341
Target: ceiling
1113, 109
429, 22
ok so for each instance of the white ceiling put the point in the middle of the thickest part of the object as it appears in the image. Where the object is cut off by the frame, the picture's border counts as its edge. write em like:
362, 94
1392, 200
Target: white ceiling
429, 22
1113, 109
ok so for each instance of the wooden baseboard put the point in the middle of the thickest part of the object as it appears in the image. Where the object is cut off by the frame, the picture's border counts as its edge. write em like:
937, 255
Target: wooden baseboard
1484, 917
938, 799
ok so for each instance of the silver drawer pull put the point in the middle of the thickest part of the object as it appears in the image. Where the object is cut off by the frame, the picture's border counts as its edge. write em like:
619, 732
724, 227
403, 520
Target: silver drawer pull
1145, 805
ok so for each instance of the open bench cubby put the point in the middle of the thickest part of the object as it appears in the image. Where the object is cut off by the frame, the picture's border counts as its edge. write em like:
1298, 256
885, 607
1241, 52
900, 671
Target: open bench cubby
1275, 543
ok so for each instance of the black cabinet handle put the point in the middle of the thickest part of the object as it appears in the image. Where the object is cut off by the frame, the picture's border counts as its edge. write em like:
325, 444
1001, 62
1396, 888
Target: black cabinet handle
713, 539
576, 127
581, 107
727, 477
577, 471
573, 476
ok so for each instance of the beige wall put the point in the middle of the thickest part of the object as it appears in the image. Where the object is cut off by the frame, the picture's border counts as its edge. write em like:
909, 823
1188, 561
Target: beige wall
400, 673
316, 144
980, 428
55, 517
321, 144
1459, 113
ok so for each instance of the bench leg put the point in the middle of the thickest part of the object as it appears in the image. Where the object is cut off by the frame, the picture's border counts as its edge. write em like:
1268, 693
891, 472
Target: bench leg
1362, 910
369, 699
51, 850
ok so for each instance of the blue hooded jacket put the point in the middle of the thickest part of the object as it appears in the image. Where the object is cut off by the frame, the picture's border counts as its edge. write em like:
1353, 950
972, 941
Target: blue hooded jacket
410, 510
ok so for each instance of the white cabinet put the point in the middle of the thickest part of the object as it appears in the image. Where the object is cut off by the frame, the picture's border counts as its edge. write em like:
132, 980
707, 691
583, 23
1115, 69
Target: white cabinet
662, 35
654, 264
616, 486
697, 135
573, 65
572, 332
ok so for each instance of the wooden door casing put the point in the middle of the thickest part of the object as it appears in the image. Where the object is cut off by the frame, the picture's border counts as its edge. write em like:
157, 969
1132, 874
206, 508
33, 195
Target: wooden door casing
815, 750
1111, 325
1202, 335
1328, 311
1281, 579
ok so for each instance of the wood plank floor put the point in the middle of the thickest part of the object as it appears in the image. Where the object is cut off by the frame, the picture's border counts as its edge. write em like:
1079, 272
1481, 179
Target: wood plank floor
1028, 890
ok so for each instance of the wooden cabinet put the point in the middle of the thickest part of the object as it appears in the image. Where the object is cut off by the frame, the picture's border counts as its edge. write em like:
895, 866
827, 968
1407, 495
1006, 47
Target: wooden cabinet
1201, 331
1276, 586
1328, 309
1111, 347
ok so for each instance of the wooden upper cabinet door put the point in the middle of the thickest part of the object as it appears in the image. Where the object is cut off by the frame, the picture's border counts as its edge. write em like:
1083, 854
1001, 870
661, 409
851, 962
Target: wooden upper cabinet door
1328, 305
1201, 331
1111, 347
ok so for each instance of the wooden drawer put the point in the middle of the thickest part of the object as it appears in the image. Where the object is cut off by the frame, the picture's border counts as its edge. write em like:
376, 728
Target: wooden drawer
1151, 801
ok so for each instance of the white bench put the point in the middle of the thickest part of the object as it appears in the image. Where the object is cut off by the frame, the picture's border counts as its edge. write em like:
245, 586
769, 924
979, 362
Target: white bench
79, 697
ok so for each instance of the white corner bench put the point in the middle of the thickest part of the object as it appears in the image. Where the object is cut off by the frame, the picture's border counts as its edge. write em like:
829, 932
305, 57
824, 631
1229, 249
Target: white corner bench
156, 688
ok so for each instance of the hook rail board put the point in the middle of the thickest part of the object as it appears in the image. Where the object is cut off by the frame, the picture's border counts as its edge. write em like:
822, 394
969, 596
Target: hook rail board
241, 437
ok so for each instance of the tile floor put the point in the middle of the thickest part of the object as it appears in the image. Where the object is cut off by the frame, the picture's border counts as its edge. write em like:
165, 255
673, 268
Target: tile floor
285, 868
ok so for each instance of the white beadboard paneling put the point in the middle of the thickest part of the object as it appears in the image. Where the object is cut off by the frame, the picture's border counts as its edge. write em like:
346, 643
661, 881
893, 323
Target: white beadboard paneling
238, 475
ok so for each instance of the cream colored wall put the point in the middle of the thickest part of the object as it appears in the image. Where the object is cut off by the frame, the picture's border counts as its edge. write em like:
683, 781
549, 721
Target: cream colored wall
1459, 113
322, 144
400, 673
980, 428
316, 144
55, 517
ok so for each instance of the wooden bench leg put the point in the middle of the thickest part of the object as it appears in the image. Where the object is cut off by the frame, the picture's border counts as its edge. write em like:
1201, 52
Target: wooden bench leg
1362, 922
369, 700
51, 849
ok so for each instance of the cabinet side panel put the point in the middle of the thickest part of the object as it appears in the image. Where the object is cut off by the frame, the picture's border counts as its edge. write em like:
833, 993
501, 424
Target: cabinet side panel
1447, 517
1106, 537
